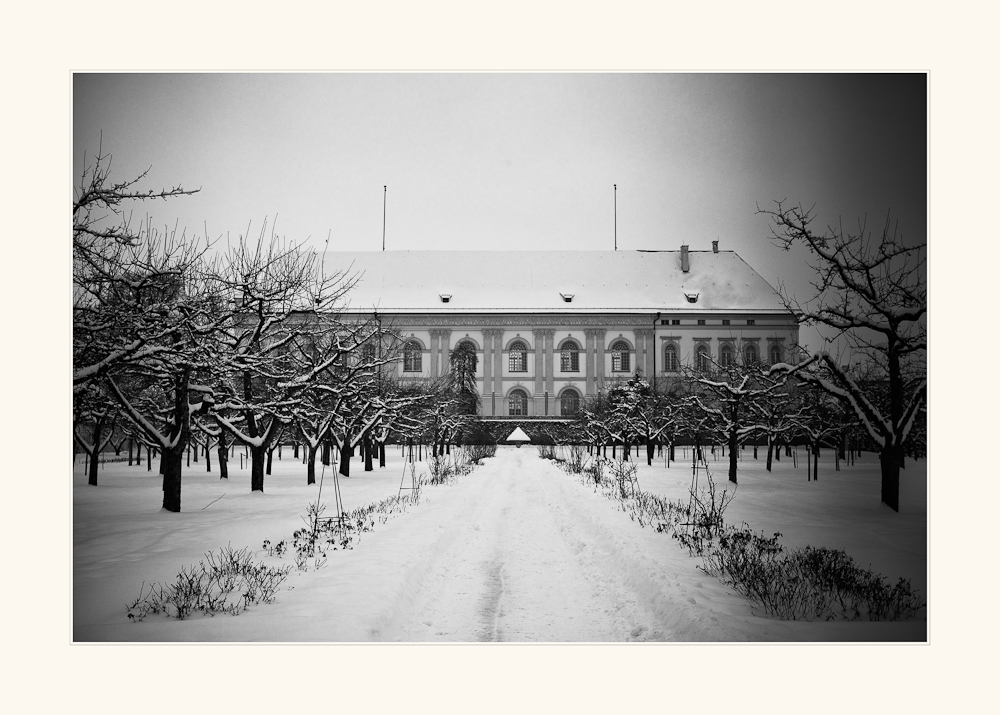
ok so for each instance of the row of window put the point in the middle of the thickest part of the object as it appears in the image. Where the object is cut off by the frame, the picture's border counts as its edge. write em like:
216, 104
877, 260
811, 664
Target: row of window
517, 403
727, 356
701, 321
569, 356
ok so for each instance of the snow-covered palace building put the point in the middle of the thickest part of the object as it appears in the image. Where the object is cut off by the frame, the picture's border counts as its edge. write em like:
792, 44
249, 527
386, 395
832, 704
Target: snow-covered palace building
551, 328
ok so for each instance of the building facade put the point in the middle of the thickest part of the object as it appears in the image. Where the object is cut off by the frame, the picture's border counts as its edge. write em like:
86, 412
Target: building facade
551, 329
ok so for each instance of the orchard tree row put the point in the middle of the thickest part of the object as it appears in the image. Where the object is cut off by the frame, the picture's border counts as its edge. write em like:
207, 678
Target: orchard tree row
178, 343
869, 384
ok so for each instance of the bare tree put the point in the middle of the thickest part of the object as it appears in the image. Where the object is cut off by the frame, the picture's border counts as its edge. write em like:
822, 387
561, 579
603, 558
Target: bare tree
275, 296
871, 291
139, 317
124, 276
93, 425
735, 389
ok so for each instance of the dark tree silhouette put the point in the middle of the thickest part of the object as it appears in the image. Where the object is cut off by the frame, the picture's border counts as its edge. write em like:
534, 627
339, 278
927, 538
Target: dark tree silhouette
872, 291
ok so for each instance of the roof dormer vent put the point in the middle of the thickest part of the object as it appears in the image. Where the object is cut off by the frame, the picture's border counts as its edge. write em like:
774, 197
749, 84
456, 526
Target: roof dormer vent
692, 297
567, 297
445, 297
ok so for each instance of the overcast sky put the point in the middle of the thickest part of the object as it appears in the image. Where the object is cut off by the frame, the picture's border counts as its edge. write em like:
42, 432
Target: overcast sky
517, 161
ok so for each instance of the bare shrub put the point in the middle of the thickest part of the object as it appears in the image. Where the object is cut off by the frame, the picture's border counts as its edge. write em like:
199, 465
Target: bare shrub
478, 452
227, 582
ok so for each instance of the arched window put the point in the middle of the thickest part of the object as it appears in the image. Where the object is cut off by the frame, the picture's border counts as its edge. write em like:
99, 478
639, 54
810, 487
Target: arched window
412, 357
518, 356
670, 361
726, 356
702, 360
776, 355
750, 356
518, 402
620, 356
570, 402
570, 356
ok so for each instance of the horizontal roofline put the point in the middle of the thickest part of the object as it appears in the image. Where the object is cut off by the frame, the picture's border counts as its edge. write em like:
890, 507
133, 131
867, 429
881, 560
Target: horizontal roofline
582, 311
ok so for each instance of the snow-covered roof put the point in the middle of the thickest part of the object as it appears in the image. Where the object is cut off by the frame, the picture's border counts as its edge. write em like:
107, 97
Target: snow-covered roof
537, 281
518, 435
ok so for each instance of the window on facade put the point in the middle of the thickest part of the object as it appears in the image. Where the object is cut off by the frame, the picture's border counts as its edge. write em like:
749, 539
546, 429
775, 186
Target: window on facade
675, 321
570, 402
620, 356
670, 361
750, 355
701, 322
367, 356
725, 322
518, 356
776, 355
751, 322
702, 360
518, 403
412, 357
570, 357
726, 356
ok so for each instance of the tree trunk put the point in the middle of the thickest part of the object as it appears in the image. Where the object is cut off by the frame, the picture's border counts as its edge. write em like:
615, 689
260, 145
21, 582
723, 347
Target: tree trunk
671, 458
295, 450
223, 456
270, 453
257, 458
130, 451
368, 454
345, 460
208, 455
149, 458
381, 454
170, 464
92, 470
816, 462
650, 451
92, 466
733, 454
770, 451
310, 463
890, 463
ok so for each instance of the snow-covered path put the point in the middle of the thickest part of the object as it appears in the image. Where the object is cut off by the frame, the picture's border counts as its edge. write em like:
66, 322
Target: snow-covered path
521, 568
516, 551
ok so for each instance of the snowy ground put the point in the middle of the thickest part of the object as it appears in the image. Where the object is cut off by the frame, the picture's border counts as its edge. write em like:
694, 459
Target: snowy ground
516, 551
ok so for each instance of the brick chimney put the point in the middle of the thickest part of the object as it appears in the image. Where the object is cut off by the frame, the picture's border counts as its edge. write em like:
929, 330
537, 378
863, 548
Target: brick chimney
715, 246
685, 261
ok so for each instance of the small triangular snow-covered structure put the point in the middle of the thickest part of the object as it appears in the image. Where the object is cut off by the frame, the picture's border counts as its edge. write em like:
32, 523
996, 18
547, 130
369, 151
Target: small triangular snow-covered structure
518, 435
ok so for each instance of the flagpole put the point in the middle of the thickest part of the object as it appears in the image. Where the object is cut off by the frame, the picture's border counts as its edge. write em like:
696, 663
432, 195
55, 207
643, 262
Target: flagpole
616, 216
385, 191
